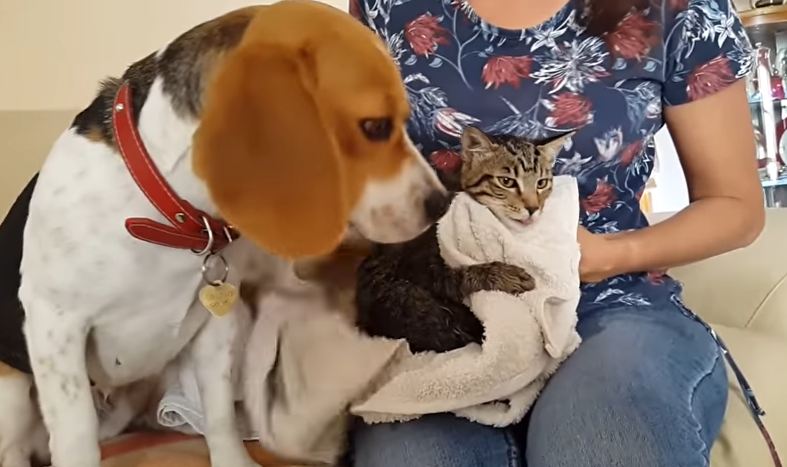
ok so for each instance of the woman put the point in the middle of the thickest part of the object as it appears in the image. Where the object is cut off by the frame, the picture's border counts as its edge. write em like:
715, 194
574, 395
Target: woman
648, 385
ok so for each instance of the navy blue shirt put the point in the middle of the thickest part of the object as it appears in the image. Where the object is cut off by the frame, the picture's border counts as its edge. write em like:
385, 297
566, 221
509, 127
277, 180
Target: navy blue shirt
547, 80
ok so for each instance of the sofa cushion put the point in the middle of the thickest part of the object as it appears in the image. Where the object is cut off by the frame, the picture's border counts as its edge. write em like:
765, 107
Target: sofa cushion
746, 288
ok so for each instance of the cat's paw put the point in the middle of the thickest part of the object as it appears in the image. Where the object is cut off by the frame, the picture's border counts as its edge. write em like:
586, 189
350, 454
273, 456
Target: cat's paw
512, 279
501, 277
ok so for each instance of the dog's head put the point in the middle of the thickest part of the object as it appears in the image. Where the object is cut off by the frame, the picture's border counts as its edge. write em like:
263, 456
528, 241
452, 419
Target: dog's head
303, 133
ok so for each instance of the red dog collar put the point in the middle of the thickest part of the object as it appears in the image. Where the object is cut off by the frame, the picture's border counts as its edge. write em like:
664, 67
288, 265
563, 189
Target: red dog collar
190, 228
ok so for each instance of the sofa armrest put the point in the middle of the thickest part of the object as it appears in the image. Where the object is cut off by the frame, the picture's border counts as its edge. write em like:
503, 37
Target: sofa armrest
746, 288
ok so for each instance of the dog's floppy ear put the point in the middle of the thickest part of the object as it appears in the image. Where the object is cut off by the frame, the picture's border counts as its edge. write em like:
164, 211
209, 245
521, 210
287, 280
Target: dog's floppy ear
269, 162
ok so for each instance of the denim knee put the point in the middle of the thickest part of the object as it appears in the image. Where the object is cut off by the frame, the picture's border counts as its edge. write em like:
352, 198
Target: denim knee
433, 441
646, 388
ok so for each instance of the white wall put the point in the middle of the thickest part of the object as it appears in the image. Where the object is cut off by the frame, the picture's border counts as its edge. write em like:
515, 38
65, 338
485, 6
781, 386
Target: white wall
671, 193
53, 53
742, 4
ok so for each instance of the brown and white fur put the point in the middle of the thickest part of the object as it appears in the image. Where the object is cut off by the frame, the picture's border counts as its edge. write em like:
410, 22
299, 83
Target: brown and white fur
322, 289
287, 121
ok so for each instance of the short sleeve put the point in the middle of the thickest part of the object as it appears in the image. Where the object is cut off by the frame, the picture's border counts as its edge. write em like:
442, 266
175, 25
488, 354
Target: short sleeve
706, 49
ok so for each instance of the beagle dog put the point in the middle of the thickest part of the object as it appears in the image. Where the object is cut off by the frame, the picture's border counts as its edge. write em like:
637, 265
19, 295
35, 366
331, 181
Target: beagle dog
266, 132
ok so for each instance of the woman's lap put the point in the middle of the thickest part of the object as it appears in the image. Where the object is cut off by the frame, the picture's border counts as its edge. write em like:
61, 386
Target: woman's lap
646, 388
436, 440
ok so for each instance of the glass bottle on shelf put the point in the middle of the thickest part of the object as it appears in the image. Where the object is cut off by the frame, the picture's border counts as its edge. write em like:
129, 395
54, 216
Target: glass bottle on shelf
766, 26
769, 91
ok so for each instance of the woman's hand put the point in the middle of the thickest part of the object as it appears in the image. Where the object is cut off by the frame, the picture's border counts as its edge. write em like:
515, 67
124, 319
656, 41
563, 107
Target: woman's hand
602, 256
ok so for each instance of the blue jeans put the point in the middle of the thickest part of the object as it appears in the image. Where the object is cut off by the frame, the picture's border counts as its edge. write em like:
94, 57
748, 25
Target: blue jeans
647, 388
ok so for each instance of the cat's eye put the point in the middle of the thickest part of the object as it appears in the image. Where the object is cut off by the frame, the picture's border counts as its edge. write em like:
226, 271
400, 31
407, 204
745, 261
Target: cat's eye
377, 129
542, 183
506, 182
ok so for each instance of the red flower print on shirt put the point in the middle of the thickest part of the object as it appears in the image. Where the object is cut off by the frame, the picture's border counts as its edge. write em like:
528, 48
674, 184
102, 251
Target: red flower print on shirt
506, 70
709, 78
445, 160
571, 109
602, 198
630, 152
425, 34
634, 37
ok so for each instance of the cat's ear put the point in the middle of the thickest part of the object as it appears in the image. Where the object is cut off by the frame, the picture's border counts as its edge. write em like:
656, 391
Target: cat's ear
551, 149
475, 142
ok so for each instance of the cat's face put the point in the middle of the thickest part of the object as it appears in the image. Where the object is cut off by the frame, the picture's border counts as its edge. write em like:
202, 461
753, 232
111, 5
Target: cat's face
509, 175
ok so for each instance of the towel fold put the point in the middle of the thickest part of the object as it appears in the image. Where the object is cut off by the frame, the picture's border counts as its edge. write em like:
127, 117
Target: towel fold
305, 365
526, 336
178, 412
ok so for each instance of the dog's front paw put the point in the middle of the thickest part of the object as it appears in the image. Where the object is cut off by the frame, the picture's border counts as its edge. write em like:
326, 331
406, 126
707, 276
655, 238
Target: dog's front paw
503, 277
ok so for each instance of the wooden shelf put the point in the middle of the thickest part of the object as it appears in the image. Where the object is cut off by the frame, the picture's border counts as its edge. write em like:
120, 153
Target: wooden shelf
767, 19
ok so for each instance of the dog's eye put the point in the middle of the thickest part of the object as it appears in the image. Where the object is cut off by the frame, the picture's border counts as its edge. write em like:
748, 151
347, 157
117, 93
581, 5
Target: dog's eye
377, 129
506, 182
542, 183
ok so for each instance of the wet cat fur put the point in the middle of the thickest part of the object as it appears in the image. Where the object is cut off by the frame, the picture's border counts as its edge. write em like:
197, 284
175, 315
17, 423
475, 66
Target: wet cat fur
406, 291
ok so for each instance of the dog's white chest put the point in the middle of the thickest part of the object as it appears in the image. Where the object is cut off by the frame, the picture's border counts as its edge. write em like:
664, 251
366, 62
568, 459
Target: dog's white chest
139, 346
134, 296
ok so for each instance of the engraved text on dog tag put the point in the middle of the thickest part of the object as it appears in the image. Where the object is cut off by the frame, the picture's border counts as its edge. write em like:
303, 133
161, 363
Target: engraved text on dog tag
218, 298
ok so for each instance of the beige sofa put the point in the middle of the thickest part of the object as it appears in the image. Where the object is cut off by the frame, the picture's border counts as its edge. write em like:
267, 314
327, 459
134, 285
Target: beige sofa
744, 294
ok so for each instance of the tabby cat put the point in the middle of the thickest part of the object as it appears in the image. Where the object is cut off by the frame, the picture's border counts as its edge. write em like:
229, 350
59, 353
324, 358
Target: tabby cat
407, 291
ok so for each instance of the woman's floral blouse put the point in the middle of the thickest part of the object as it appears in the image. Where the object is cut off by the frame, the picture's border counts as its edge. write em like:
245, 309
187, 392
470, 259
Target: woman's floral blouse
554, 78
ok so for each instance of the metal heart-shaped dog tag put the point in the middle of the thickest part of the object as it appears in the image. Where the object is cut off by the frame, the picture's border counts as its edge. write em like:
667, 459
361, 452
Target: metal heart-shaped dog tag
218, 299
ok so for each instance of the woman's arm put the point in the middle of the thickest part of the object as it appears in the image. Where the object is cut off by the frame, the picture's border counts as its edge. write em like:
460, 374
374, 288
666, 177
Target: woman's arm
715, 143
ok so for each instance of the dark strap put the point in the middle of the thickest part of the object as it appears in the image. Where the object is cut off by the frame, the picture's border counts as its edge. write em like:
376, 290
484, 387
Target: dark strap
748, 394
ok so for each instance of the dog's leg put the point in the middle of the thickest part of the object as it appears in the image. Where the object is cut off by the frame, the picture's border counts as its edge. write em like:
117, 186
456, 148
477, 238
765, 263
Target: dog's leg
56, 341
19, 418
216, 358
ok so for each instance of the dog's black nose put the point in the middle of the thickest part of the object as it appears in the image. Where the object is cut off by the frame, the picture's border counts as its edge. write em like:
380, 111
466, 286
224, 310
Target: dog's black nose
436, 205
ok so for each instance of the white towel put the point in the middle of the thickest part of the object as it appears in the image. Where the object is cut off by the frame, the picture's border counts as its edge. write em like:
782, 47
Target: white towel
305, 364
526, 336
180, 409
